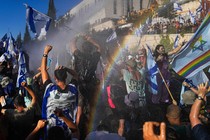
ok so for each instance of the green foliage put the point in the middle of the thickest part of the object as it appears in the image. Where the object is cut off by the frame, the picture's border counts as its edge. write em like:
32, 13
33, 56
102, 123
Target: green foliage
19, 40
52, 13
27, 36
166, 42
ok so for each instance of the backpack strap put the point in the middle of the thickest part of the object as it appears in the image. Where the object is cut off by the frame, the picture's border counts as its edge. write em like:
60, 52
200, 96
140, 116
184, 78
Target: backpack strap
111, 104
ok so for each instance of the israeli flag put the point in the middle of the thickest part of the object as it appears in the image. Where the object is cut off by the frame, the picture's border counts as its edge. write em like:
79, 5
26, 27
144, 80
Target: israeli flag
177, 7
192, 17
199, 9
111, 37
4, 38
4, 42
22, 70
38, 22
152, 71
181, 20
176, 42
139, 31
11, 46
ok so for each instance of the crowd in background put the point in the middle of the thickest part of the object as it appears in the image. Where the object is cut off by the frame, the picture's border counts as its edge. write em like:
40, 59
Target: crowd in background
53, 109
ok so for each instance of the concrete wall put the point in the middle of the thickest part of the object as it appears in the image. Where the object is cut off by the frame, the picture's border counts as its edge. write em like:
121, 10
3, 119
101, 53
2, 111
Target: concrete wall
152, 40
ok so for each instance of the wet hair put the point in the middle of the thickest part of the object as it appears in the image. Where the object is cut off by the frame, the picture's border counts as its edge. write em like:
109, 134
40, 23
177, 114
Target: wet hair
19, 101
60, 74
87, 47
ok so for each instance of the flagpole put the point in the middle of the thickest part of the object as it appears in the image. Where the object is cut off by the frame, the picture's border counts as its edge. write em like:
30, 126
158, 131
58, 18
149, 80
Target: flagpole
164, 81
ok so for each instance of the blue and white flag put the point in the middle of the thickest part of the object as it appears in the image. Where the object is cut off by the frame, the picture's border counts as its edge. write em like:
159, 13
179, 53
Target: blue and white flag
152, 71
192, 17
38, 22
196, 53
199, 9
181, 20
112, 36
194, 81
139, 31
11, 46
176, 42
3, 43
22, 70
4, 38
177, 7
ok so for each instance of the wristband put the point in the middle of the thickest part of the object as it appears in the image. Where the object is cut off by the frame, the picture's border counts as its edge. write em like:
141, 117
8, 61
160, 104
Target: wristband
200, 98
44, 55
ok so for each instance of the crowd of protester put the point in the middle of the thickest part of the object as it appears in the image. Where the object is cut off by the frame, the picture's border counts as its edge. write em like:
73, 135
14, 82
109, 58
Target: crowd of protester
172, 26
50, 108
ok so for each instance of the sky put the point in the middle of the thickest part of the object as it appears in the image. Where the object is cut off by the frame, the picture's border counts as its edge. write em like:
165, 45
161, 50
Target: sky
13, 13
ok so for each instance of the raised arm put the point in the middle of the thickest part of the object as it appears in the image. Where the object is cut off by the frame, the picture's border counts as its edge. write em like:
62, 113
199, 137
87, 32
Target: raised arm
41, 124
195, 109
44, 73
174, 51
30, 91
58, 112
91, 40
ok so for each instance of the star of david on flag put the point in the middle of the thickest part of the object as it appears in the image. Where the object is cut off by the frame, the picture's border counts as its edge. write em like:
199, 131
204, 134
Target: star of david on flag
195, 55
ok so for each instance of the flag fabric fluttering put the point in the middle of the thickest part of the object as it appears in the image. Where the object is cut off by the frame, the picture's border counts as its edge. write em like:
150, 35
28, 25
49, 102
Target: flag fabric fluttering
139, 31
177, 7
194, 81
152, 71
3, 43
38, 22
181, 20
195, 55
4, 38
11, 46
199, 9
192, 17
112, 36
176, 42
22, 70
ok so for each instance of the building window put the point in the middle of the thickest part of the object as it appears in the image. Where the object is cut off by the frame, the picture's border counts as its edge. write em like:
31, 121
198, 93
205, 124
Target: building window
115, 7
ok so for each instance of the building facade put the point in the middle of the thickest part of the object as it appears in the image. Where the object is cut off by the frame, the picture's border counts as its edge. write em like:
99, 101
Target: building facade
101, 14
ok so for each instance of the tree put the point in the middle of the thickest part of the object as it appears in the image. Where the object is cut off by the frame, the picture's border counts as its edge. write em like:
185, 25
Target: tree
166, 42
19, 41
52, 13
27, 36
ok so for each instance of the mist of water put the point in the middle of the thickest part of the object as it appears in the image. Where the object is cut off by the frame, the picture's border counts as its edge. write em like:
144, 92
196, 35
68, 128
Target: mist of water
61, 40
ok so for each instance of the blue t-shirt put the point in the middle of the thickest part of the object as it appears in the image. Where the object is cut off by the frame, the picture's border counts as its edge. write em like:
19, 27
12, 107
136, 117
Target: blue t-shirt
200, 132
